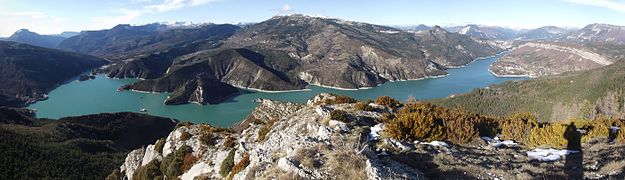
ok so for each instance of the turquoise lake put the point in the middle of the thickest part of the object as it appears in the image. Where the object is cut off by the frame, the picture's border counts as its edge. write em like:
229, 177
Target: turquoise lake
100, 95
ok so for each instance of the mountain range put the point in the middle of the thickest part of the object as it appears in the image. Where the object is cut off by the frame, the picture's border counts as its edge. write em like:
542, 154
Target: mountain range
290, 52
28, 37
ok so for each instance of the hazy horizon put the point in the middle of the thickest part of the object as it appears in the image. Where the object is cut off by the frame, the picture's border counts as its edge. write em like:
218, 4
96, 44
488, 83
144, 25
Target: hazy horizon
53, 17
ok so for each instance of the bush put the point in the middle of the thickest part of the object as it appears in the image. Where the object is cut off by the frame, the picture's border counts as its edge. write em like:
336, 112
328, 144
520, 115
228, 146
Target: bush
361, 106
229, 142
160, 143
185, 136
339, 115
207, 138
240, 166
518, 126
188, 162
548, 135
181, 124
148, 172
171, 166
416, 122
340, 99
388, 102
264, 130
226, 164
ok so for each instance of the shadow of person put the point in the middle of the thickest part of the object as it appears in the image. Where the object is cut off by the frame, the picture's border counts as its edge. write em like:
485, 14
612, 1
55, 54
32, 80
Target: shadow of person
573, 165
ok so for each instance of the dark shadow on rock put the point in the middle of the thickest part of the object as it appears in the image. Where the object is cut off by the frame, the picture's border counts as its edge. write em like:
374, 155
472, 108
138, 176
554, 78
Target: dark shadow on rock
425, 163
573, 166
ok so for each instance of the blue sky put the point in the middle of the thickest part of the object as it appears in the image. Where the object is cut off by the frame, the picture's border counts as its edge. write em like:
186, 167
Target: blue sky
55, 16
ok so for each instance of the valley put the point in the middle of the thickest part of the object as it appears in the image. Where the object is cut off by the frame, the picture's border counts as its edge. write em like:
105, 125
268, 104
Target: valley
76, 98
256, 90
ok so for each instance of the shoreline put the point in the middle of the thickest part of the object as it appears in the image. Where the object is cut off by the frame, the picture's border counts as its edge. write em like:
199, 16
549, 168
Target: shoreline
268, 91
509, 76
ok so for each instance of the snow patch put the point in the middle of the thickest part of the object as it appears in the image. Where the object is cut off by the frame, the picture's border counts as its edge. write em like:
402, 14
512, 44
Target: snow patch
374, 134
548, 154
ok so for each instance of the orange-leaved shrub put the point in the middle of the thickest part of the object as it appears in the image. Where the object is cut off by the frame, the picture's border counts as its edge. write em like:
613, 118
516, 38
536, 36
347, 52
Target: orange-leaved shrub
387, 101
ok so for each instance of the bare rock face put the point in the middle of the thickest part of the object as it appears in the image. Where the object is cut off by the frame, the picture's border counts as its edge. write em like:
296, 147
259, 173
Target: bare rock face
535, 59
295, 140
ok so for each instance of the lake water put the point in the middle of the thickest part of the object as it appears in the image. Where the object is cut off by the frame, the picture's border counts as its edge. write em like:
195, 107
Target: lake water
100, 95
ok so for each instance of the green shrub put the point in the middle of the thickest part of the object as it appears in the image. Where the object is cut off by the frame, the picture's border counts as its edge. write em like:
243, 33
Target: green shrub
240, 166
387, 101
171, 166
160, 143
227, 164
361, 106
339, 115
148, 172
185, 136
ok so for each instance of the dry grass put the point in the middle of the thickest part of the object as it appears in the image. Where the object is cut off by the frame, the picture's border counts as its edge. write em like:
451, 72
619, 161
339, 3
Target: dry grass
306, 157
264, 130
613, 167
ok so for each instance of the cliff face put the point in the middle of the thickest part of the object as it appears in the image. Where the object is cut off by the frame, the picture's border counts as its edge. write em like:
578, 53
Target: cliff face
536, 59
28, 72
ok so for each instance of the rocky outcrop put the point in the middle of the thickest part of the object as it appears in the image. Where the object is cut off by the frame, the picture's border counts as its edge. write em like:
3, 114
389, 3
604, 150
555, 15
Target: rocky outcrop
536, 59
297, 141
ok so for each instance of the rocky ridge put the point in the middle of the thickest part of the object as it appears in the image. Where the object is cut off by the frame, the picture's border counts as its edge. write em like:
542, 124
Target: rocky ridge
293, 141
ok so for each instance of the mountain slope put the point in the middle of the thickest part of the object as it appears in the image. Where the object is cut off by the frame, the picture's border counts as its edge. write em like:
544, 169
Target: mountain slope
84, 147
485, 32
28, 72
125, 41
290, 52
540, 58
583, 94
543, 33
598, 33
27, 37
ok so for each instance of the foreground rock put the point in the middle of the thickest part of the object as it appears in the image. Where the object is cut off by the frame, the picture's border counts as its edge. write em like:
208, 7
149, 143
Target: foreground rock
284, 141
291, 141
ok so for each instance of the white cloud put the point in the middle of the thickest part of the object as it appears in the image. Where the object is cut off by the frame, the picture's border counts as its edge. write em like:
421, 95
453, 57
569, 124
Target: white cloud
124, 17
35, 21
200, 2
286, 8
614, 5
